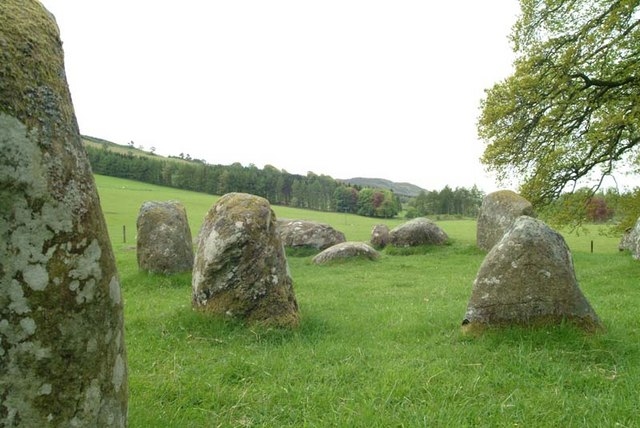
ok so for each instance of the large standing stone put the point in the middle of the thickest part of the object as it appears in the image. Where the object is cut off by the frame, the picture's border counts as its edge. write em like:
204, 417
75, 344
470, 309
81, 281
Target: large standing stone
526, 279
498, 212
306, 233
62, 352
419, 231
240, 268
164, 243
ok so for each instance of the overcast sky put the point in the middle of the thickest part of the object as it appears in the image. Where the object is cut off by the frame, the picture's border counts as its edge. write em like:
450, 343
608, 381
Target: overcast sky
346, 88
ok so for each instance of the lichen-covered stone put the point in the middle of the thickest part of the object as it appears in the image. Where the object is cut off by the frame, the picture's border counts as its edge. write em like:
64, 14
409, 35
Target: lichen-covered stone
631, 241
380, 235
310, 234
345, 250
418, 231
497, 213
164, 244
62, 352
528, 279
240, 268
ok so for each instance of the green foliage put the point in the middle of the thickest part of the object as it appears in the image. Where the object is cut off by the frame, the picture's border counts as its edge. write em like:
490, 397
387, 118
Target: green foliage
461, 201
316, 192
570, 108
378, 203
379, 343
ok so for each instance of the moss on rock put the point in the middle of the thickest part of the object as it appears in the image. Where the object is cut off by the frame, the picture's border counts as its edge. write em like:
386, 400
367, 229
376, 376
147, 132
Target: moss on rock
61, 325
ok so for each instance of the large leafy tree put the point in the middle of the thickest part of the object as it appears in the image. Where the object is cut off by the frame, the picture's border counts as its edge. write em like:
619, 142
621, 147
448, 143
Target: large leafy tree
571, 109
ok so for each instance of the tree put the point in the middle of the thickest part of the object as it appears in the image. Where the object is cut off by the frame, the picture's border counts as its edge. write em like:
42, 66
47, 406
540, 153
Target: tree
570, 110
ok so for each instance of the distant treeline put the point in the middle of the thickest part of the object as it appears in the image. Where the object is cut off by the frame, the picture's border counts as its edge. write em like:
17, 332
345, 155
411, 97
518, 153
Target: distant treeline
316, 192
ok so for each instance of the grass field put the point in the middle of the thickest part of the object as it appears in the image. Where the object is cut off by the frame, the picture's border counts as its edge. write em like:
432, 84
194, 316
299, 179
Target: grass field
379, 343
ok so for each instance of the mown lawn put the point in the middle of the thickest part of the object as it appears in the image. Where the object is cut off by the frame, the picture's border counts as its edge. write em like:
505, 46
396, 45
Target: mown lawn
379, 344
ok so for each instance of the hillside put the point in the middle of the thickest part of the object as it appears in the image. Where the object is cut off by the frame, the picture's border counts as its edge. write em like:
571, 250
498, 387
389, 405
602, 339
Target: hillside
403, 189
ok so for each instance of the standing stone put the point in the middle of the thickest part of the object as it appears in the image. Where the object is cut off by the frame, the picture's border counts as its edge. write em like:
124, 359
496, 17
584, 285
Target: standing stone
62, 352
419, 231
240, 268
164, 243
527, 279
631, 241
497, 213
380, 236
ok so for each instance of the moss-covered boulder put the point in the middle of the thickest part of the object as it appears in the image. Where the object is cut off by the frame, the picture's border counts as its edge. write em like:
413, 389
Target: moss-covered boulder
308, 234
240, 268
418, 231
163, 243
62, 352
344, 251
497, 213
528, 279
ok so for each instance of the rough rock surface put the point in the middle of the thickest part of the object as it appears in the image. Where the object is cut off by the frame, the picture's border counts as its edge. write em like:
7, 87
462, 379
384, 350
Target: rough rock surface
627, 241
240, 267
304, 233
380, 235
634, 239
164, 244
497, 213
418, 231
631, 241
528, 279
345, 250
62, 354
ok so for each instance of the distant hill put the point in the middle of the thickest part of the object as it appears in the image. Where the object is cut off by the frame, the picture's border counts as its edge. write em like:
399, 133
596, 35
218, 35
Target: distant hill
404, 189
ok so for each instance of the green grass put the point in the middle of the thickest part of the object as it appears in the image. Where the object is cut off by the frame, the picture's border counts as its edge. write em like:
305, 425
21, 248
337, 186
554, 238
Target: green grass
379, 343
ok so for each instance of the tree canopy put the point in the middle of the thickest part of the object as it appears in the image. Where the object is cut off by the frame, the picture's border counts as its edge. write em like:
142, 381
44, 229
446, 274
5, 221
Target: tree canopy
571, 109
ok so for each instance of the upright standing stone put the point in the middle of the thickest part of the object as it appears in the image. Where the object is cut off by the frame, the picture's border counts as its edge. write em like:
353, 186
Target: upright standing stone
163, 242
240, 269
62, 353
497, 213
528, 279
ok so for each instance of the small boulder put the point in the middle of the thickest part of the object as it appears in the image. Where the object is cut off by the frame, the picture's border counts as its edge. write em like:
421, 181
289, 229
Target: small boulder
418, 231
528, 279
305, 233
164, 243
497, 213
240, 268
380, 236
346, 250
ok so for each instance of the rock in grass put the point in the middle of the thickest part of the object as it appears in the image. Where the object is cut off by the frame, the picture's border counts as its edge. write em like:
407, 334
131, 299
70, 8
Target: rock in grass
62, 354
528, 279
497, 213
240, 268
419, 231
309, 234
345, 250
380, 236
163, 242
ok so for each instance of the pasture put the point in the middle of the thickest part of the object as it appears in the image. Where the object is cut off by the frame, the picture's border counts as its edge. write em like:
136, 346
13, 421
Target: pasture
379, 343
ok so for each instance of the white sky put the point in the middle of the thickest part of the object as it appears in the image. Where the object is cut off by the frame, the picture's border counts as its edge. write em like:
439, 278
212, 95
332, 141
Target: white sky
346, 88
